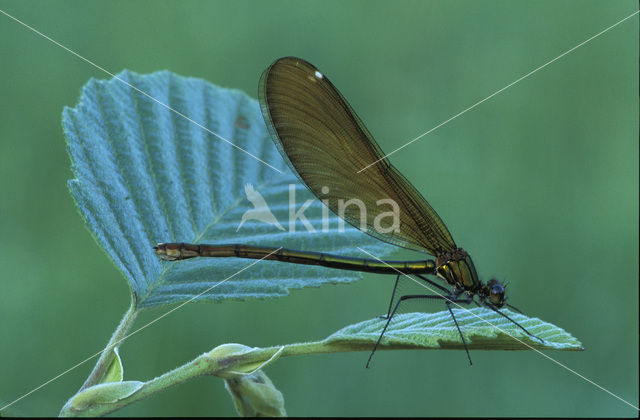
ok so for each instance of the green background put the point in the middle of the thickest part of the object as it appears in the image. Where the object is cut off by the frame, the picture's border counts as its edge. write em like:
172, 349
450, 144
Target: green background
539, 184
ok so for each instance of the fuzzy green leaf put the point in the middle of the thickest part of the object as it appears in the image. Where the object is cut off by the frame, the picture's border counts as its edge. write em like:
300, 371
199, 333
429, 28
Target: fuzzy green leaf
144, 174
97, 396
254, 395
482, 329
115, 371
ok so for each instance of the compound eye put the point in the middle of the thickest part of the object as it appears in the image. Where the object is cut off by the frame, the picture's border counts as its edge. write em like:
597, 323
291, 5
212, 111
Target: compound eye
496, 293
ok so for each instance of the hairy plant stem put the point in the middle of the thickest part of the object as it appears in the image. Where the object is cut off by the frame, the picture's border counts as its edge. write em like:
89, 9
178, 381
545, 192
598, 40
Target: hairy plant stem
108, 355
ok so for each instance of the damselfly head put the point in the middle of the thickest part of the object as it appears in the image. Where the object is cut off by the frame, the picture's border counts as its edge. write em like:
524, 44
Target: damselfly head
495, 293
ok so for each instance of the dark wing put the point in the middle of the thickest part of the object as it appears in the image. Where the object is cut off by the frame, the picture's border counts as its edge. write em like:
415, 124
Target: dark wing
326, 144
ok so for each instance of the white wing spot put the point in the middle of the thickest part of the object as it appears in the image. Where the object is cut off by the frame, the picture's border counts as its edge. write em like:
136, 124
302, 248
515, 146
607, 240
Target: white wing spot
319, 75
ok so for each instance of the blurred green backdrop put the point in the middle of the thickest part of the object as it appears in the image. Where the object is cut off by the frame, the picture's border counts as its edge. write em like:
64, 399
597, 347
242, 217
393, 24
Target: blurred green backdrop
539, 184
